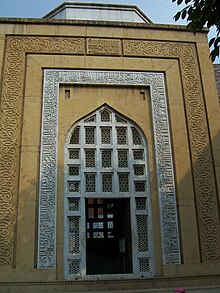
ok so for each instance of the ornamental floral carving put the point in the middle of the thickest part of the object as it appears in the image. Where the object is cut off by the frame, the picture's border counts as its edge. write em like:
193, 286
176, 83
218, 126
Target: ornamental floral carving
201, 155
11, 117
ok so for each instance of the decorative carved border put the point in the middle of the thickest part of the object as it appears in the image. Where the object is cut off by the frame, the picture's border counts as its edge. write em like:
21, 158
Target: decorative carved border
200, 145
11, 116
48, 168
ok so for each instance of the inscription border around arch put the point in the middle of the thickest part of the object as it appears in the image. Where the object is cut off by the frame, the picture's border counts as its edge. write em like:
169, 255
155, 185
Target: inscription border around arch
199, 140
48, 165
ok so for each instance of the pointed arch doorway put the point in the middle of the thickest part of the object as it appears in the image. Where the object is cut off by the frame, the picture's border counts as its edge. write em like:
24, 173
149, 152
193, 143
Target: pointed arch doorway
107, 210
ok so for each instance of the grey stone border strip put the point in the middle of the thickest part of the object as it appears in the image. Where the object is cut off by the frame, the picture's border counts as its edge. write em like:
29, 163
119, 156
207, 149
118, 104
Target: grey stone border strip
48, 165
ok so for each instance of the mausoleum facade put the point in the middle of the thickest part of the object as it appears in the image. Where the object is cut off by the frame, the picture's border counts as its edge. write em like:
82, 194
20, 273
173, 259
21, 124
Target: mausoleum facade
110, 153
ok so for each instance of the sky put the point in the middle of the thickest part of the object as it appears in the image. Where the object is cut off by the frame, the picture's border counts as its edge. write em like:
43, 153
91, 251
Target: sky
159, 11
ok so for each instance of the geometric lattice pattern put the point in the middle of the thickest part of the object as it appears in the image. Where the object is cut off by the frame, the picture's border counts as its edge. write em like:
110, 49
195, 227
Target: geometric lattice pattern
141, 203
107, 156
90, 158
74, 186
73, 235
144, 265
107, 182
123, 179
73, 204
122, 158
75, 136
106, 135
139, 170
90, 135
121, 135
142, 229
119, 119
108, 150
74, 170
90, 182
136, 136
139, 186
138, 154
73, 154
105, 115
91, 119
74, 267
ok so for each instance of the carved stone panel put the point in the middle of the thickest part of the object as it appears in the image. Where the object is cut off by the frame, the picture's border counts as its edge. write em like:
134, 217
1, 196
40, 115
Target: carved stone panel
47, 191
200, 145
11, 116
10, 123
104, 47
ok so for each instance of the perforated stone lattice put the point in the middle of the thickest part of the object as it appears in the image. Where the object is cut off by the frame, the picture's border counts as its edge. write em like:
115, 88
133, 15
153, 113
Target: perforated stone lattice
74, 204
144, 265
91, 119
122, 158
74, 267
52, 78
123, 179
75, 136
90, 182
106, 135
90, 158
136, 137
74, 186
121, 135
140, 186
107, 182
73, 154
73, 235
105, 115
106, 158
141, 203
108, 164
142, 228
138, 154
90, 135
139, 170
120, 120
74, 170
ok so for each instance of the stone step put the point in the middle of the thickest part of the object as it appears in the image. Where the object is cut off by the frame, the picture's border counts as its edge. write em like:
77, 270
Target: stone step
164, 290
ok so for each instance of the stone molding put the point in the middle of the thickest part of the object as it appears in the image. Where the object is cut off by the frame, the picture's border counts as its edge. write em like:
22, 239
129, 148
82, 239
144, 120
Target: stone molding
200, 144
48, 161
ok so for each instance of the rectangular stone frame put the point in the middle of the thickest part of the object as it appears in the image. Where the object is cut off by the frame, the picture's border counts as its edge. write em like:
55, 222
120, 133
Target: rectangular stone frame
13, 81
48, 160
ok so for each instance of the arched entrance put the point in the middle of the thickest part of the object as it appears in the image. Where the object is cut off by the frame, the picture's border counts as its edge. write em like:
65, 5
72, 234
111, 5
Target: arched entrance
107, 209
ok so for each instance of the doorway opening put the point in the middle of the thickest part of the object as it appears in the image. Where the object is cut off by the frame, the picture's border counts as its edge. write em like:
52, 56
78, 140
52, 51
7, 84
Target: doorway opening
108, 236
107, 223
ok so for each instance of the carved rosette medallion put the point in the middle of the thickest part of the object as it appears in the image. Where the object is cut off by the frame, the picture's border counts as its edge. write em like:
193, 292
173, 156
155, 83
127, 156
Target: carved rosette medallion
202, 161
47, 195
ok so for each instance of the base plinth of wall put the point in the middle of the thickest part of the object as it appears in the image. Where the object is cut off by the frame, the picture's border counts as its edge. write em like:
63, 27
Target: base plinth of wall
197, 284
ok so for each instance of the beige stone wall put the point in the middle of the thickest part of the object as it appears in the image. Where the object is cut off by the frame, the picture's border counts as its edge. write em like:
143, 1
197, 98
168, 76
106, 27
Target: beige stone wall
26, 49
217, 78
